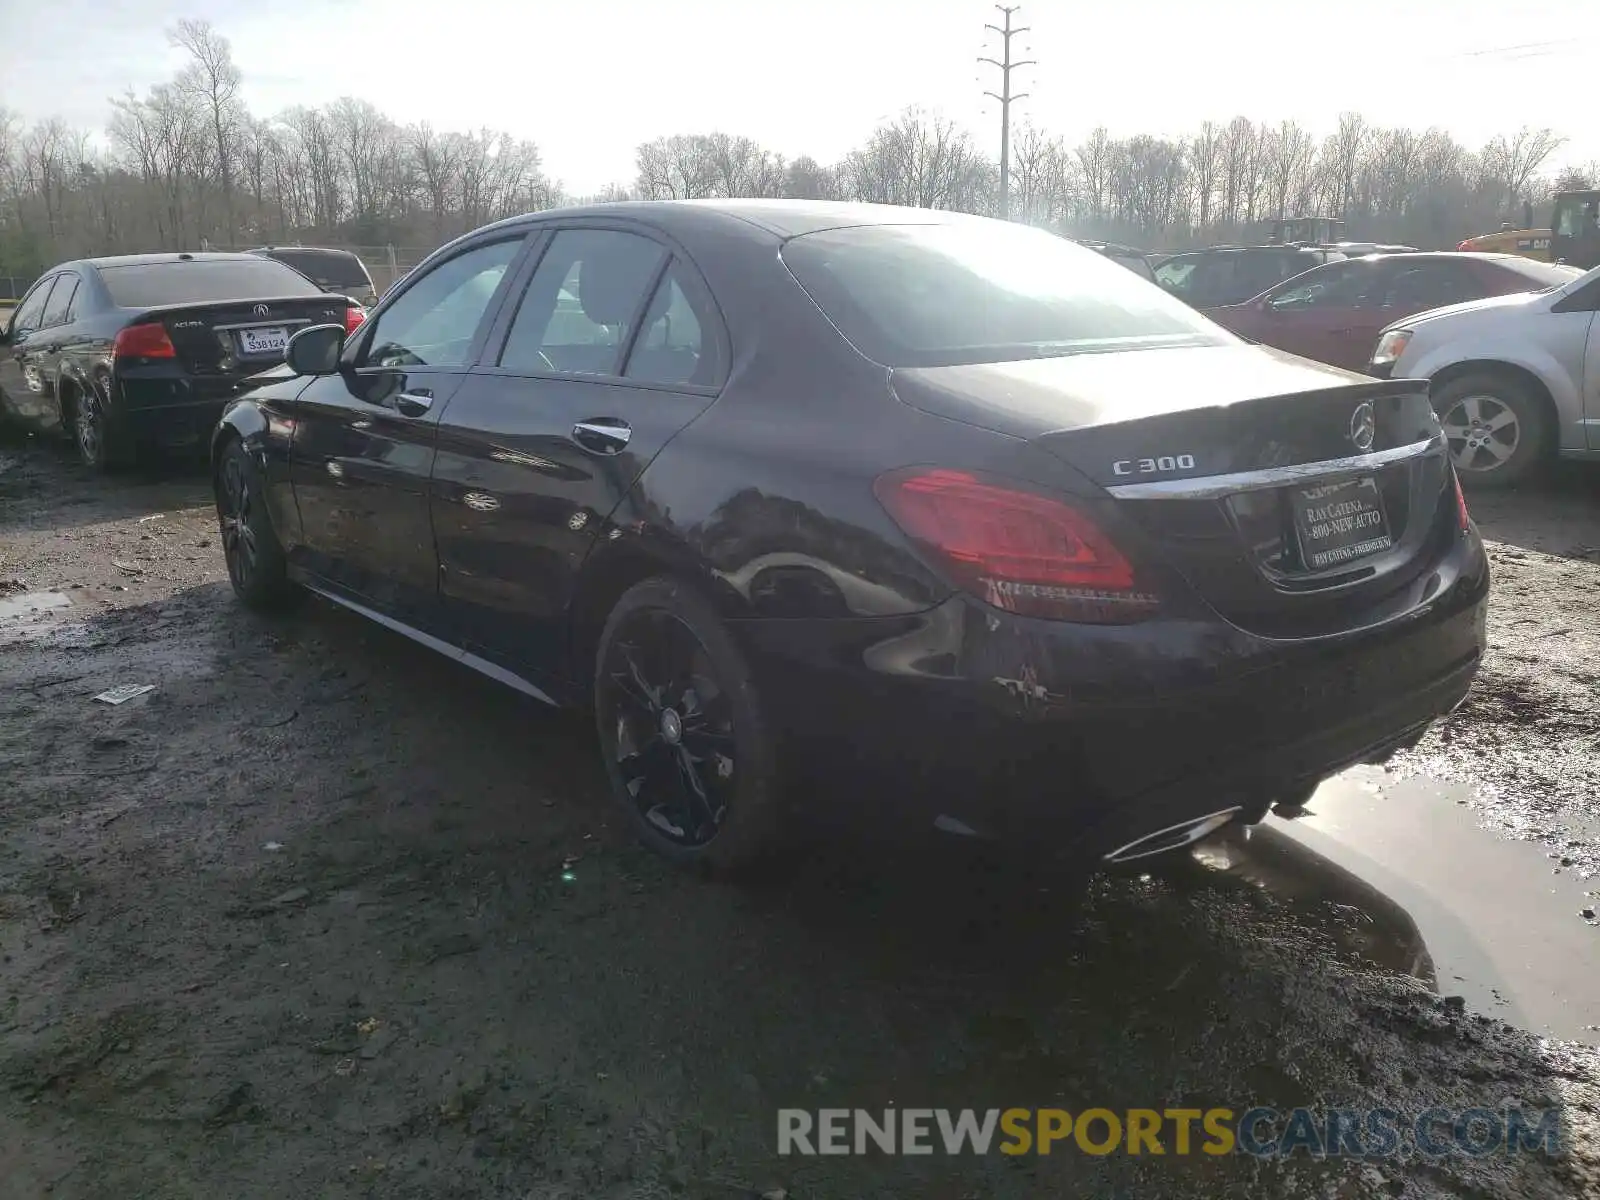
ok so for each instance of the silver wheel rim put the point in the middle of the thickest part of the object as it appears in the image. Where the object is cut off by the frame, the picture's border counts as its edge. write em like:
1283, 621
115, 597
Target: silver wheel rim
1483, 433
88, 423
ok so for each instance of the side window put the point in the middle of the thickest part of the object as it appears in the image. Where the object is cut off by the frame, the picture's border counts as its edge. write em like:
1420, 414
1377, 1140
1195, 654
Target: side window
1430, 285
433, 322
1255, 273
674, 344
28, 316
1334, 286
1177, 274
55, 310
574, 316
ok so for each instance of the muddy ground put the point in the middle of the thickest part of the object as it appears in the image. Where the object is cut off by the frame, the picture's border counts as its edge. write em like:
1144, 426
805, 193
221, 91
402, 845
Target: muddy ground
326, 916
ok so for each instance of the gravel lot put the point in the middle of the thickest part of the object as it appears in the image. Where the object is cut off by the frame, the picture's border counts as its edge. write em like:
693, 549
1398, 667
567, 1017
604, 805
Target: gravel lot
324, 915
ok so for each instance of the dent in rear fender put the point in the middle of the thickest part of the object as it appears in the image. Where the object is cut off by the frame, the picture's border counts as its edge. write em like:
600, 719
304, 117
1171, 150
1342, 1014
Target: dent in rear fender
802, 546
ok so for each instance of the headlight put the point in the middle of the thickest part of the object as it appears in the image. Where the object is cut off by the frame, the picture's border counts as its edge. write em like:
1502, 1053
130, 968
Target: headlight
1390, 347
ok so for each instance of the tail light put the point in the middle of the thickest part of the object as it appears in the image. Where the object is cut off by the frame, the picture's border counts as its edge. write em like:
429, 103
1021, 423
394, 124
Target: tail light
353, 316
1461, 503
1465, 246
148, 340
1016, 549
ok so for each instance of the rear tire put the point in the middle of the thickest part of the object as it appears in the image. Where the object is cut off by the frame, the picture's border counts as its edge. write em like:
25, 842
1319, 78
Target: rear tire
99, 446
1498, 431
257, 565
687, 752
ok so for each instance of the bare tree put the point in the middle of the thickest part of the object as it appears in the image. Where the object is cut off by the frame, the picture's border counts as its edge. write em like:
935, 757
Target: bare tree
212, 80
1206, 158
1511, 162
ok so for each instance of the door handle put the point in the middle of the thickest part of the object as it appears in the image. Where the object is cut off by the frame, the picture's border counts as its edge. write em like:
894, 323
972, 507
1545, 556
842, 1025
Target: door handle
602, 435
414, 404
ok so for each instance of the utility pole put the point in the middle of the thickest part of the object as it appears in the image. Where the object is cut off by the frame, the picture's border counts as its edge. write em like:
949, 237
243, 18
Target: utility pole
1005, 96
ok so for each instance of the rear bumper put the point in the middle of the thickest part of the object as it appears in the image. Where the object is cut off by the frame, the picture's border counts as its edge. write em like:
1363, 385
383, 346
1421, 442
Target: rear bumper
170, 412
1089, 737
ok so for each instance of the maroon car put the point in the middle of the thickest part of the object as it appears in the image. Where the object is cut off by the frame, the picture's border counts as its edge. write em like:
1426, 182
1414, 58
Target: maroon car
1334, 313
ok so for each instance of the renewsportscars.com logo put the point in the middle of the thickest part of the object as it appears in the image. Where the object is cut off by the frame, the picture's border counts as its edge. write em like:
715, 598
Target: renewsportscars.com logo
1259, 1132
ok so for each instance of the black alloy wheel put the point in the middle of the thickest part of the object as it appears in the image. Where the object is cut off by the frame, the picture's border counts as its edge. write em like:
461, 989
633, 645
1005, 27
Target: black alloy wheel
685, 750
234, 505
256, 564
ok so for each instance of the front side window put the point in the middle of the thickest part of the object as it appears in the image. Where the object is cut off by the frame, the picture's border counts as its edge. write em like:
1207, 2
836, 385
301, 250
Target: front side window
55, 311
1177, 274
1337, 285
983, 291
574, 316
434, 321
26, 319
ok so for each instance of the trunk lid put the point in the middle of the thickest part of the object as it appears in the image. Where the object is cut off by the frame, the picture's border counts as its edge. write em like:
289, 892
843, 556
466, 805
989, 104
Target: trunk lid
235, 339
1254, 474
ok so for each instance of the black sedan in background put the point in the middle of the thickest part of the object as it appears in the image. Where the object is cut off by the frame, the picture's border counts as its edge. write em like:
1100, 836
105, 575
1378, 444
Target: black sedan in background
896, 512
142, 351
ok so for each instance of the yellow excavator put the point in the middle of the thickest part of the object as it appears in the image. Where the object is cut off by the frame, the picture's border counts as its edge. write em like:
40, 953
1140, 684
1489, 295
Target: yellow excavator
1573, 236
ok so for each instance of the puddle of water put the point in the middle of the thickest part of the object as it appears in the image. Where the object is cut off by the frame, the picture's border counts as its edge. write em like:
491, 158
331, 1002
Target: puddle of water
1500, 927
30, 604
31, 617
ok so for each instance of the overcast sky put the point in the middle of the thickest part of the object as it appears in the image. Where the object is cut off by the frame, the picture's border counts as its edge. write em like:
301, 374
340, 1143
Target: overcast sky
589, 80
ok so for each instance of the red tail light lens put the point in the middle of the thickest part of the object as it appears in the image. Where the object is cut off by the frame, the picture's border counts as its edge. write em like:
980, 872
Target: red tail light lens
1461, 503
353, 316
149, 340
1464, 246
1015, 549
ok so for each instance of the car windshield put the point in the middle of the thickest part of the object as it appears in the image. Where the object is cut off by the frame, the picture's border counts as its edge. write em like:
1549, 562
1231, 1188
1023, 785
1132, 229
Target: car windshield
969, 292
201, 281
1543, 277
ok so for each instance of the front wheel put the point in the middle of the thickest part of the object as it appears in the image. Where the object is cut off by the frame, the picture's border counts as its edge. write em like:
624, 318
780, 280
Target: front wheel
1497, 430
687, 753
257, 566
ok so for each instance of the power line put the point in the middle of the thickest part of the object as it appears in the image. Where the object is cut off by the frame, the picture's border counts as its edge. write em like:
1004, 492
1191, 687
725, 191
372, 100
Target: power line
1005, 96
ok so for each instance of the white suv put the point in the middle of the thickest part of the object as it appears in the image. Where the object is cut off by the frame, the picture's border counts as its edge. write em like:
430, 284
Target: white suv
1515, 379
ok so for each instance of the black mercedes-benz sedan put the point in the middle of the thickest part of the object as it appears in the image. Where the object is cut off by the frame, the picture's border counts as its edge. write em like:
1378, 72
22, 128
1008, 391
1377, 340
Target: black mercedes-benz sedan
870, 509
142, 351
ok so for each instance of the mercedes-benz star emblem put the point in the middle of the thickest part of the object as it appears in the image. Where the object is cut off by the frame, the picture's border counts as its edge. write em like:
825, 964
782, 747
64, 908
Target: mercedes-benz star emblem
1363, 426
261, 310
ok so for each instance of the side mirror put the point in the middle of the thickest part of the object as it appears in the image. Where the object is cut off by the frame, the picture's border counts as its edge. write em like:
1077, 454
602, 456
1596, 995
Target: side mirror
315, 350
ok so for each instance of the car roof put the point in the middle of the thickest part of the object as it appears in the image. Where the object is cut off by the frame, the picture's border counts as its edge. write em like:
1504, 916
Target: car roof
148, 260
781, 218
329, 251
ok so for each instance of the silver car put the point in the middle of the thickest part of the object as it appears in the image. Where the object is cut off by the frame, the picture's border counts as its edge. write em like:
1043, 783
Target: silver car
1515, 379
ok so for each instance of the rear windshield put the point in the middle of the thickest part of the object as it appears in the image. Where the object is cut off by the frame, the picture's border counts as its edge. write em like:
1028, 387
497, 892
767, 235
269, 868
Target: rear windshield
1542, 275
328, 269
937, 295
202, 280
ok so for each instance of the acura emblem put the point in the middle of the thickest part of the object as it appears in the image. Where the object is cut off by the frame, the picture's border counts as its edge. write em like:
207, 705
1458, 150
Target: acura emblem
1363, 426
261, 310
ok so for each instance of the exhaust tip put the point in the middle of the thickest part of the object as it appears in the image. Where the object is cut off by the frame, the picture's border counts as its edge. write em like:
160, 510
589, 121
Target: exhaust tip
1173, 837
